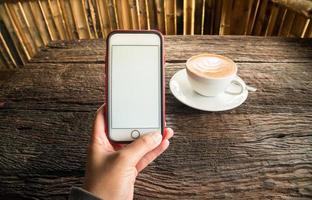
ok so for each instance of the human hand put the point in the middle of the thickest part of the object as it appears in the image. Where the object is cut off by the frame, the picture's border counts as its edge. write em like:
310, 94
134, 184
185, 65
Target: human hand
111, 171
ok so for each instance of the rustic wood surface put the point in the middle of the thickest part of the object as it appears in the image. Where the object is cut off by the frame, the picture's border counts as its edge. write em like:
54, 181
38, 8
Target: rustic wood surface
261, 150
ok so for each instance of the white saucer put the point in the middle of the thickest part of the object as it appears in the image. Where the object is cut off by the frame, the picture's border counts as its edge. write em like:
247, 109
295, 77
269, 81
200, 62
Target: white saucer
182, 90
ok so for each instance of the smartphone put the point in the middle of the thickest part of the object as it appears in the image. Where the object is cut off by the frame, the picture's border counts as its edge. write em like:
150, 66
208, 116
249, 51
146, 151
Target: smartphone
134, 84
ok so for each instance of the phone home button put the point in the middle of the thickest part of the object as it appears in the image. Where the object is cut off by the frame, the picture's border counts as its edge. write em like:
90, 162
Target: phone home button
135, 134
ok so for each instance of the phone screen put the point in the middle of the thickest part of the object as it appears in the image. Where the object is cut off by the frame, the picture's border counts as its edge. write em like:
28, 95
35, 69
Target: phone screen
135, 87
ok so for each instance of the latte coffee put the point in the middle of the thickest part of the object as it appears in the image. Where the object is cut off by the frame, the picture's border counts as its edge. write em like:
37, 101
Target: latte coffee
210, 74
211, 66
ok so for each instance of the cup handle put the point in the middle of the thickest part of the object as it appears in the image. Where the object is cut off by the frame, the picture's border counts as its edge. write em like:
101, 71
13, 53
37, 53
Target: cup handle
242, 87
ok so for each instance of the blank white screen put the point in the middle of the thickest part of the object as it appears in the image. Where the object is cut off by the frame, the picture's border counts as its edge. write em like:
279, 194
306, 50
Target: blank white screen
135, 87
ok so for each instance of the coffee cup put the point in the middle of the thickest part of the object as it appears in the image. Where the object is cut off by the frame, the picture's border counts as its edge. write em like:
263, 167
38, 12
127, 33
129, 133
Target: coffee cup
211, 75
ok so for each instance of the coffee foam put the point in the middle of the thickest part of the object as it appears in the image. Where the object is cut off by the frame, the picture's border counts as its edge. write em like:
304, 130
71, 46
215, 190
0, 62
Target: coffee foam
211, 65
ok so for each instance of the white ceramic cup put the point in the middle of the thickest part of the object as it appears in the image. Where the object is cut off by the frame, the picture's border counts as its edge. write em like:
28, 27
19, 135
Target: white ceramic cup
213, 86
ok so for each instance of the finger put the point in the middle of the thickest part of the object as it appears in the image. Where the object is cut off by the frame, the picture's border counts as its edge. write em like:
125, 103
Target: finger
99, 136
151, 156
168, 133
141, 146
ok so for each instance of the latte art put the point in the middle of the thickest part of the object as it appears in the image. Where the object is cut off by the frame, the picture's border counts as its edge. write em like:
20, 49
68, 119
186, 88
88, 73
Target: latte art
206, 64
211, 65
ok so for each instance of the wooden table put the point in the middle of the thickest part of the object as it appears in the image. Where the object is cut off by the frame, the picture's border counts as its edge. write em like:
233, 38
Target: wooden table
262, 149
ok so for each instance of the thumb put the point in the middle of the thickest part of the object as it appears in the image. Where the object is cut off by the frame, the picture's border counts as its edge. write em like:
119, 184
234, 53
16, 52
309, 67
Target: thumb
138, 148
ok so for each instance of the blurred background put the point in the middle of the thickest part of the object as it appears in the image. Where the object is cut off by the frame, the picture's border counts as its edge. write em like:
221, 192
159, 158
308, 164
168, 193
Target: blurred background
27, 26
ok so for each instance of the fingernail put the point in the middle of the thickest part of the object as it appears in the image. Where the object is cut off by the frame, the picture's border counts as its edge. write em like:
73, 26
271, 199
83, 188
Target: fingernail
157, 136
169, 130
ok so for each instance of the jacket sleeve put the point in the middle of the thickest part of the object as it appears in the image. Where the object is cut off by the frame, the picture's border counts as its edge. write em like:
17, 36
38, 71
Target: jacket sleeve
81, 194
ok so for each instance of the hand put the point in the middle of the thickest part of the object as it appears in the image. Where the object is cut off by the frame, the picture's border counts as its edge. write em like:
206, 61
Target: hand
110, 172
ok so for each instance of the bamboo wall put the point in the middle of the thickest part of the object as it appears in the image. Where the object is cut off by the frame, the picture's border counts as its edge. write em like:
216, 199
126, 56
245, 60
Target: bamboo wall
27, 25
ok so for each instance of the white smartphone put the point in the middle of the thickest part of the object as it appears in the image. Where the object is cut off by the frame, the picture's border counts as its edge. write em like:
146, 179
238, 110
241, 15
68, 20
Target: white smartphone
134, 84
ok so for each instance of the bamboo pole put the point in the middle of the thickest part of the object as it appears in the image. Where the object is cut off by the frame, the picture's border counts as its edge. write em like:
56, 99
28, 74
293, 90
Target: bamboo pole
272, 20
188, 17
138, 13
212, 18
79, 15
185, 17
119, 14
100, 18
5, 51
179, 17
68, 19
104, 22
22, 27
15, 34
288, 22
240, 18
249, 7
260, 18
126, 15
58, 18
170, 12
202, 25
30, 21
49, 19
21, 50
278, 21
282, 22
207, 20
83, 3
217, 16
308, 33
29, 31
62, 19
253, 15
112, 8
39, 21
52, 35
202, 18
305, 28
123, 13
134, 13
152, 14
225, 21
298, 26
143, 14
198, 16
159, 6
9, 45
92, 17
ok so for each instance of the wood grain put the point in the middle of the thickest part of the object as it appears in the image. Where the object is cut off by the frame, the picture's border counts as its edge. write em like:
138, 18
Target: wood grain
260, 150
254, 49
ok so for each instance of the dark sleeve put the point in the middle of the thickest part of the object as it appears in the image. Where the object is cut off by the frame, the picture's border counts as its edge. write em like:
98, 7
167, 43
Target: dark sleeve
81, 194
